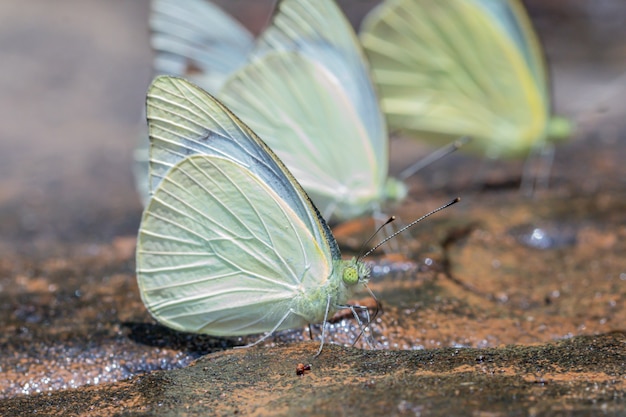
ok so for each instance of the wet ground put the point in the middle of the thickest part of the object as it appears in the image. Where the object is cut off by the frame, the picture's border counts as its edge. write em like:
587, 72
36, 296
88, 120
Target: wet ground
502, 305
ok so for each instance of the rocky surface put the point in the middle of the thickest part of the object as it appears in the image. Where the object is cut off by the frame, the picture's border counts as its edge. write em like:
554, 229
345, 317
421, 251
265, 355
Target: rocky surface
578, 376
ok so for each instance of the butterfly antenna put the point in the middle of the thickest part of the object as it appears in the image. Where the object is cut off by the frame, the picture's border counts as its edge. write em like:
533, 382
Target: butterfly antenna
413, 223
433, 157
364, 245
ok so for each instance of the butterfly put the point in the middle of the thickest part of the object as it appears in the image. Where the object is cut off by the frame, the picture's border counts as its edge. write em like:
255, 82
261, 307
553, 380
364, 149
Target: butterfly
307, 92
229, 243
446, 68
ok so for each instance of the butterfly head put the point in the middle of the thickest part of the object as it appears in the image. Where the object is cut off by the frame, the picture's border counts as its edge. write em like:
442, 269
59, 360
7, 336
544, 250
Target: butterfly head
355, 272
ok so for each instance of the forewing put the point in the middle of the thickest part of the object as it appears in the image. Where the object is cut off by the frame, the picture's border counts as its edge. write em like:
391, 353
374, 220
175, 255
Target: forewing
198, 40
447, 67
185, 120
302, 112
514, 19
220, 252
319, 30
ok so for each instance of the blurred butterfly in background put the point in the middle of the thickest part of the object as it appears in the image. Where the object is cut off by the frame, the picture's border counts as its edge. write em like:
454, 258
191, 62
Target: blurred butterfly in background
307, 92
446, 68
229, 242
198, 40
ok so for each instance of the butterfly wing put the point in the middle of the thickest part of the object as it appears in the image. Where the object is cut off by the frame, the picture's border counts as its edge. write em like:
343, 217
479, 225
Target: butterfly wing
302, 112
198, 40
220, 252
512, 17
452, 68
319, 30
520, 27
185, 120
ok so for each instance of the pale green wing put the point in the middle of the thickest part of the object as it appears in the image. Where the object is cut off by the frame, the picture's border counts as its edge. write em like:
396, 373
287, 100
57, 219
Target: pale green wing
516, 20
198, 40
185, 120
510, 14
220, 252
305, 116
319, 30
447, 68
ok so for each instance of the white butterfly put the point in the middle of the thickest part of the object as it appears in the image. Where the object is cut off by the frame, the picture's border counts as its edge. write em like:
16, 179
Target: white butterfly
446, 68
307, 92
229, 243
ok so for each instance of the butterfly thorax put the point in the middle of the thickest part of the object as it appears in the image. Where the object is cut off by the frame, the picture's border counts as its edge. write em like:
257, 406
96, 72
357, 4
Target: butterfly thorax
339, 288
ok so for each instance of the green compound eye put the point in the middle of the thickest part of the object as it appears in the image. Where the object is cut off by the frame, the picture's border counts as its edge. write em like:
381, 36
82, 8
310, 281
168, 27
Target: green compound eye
350, 276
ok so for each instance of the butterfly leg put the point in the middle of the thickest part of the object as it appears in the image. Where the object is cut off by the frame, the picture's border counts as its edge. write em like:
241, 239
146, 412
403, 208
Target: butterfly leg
268, 334
352, 308
536, 172
323, 327
362, 326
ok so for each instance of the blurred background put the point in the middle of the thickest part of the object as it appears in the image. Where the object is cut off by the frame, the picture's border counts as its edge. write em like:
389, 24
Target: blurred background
74, 74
